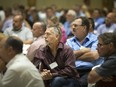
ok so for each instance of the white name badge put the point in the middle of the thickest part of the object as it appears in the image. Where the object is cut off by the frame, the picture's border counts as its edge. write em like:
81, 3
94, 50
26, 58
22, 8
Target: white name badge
53, 65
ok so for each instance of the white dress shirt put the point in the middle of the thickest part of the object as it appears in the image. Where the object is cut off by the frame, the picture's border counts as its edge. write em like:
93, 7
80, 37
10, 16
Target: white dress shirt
21, 73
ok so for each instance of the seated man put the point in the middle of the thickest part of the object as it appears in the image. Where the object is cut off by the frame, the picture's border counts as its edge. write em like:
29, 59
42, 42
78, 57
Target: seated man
20, 31
38, 32
55, 61
84, 45
19, 71
105, 75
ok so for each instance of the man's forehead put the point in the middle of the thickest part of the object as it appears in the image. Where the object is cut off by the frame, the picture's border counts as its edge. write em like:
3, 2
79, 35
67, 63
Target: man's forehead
77, 21
50, 29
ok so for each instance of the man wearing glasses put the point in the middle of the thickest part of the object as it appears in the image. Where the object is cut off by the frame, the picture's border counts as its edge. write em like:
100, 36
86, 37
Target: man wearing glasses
105, 75
84, 45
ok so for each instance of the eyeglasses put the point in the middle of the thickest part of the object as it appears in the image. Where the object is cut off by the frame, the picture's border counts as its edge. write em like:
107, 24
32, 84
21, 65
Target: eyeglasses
100, 45
75, 26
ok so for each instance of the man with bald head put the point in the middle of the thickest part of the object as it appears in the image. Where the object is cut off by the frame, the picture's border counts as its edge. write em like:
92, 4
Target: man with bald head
38, 32
109, 26
20, 31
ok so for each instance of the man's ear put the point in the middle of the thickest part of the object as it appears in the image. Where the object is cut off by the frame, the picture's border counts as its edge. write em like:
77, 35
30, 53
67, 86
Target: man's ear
90, 25
57, 36
84, 29
111, 45
10, 50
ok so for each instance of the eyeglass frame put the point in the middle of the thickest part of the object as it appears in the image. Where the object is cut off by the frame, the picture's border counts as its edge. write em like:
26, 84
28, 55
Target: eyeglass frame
100, 45
75, 26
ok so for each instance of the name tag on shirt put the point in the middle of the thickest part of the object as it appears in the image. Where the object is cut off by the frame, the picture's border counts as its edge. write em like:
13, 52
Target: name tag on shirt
53, 65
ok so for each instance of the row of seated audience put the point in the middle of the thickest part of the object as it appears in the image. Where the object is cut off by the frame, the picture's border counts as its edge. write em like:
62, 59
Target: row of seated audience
63, 59
32, 15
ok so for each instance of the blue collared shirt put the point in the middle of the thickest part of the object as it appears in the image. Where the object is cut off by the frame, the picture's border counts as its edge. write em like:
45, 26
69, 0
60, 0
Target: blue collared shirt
103, 28
90, 41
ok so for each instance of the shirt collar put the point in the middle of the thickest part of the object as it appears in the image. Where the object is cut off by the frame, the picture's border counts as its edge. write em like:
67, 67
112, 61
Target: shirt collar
42, 36
60, 46
87, 38
17, 30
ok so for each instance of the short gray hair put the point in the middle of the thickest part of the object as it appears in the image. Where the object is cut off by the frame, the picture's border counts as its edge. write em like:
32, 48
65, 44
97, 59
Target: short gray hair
57, 30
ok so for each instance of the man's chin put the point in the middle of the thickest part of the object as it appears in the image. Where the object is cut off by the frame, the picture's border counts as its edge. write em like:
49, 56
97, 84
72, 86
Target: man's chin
16, 29
47, 43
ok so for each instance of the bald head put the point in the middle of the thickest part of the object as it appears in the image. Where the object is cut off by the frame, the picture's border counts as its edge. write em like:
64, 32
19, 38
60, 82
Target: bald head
110, 18
38, 29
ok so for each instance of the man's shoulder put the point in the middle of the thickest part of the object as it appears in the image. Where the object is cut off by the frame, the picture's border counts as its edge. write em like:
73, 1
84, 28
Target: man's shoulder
38, 42
9, 29
25, 28
67, 48
21, 61
92, 36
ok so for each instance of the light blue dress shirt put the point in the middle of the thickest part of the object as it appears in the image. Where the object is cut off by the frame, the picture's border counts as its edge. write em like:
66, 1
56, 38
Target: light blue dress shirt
103, 28
90, 41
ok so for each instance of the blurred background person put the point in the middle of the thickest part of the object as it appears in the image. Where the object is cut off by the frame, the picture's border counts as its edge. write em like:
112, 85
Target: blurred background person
38, 31
24, 33
54, 21
70, 16
108, 26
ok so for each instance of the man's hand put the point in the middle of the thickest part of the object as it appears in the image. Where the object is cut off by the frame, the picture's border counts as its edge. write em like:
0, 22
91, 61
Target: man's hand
46, 74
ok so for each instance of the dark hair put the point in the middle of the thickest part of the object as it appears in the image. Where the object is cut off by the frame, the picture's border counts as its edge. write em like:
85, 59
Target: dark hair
92, 22
98, 10
108, 38
15, 43
85, 22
